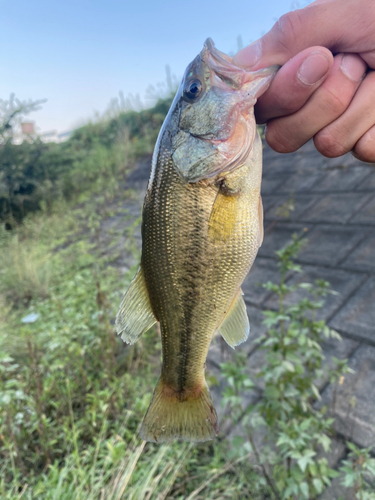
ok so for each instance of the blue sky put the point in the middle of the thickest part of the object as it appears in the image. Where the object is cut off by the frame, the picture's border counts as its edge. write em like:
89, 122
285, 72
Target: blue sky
80, 54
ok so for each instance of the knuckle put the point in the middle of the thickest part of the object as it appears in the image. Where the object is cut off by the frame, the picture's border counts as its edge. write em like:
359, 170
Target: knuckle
285, 103
279, 139
364, 150
287, 30
277, 105
276, 102
329, 144
331, 102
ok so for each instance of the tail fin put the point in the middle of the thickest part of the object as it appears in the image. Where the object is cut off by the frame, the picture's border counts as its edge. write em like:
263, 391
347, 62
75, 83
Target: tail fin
170, 416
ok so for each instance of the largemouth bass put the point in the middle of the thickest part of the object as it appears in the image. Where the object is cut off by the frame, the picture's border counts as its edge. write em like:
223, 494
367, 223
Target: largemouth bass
202, 226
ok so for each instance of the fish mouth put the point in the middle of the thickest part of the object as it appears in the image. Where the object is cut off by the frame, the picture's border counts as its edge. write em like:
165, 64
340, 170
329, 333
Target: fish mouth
230, 74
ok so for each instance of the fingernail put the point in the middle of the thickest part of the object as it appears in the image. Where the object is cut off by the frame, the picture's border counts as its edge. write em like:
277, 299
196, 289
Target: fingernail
313, 68
249, 56
353, 67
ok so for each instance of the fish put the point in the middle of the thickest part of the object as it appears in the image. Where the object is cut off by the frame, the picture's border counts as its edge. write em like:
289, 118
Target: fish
202, 226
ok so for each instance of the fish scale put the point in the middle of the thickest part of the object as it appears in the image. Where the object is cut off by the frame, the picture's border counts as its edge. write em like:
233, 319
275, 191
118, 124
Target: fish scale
201, 229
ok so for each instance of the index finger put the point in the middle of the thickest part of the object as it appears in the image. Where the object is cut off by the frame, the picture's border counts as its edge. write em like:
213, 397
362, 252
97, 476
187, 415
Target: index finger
339, 25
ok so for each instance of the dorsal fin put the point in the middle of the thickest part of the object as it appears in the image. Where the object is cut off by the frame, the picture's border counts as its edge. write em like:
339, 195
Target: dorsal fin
235, 328
135, 315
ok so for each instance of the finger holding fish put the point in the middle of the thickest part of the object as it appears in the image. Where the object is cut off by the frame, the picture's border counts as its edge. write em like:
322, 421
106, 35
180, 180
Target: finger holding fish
323, 108
343, 27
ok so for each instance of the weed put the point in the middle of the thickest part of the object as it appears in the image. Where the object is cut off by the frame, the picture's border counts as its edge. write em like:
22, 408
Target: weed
356, 469
295, 430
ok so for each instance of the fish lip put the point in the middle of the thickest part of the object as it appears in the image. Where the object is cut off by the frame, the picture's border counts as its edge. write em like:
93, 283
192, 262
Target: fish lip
221, 64
217, 54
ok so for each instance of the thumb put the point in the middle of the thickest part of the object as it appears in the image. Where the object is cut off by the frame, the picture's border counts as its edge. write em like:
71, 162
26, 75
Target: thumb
340, 26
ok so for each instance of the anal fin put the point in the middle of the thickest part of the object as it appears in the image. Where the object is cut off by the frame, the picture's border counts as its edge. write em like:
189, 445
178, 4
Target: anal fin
235, 328
135, 315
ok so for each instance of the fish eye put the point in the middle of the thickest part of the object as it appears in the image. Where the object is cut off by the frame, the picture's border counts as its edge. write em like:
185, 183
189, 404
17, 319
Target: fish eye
192, 90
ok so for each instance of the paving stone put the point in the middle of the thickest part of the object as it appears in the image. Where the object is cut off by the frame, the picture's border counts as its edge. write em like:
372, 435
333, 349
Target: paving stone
368, 184
268, 202
336, 207
278, 237
362, 257
353, 403
329, 245
115, 241
289, 208
357, 317
335, 453
272, 183
301, 181
367, 213
257, 327
342, 179
263, 270
310, 160
309, 147
279, 164
335, 348
337, 492
213, 375
138, 177
255, 363
345, 161
340, 281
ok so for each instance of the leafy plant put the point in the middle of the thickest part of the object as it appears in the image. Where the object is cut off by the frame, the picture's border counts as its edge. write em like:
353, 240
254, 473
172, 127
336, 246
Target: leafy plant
11, 111
296, 431
34, 174
358, 470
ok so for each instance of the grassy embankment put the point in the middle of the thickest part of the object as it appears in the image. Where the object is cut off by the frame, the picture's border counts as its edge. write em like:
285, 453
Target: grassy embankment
72, 395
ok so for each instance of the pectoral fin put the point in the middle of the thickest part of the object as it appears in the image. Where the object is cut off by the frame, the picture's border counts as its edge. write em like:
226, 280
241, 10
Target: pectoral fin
261, 226
135, 315
235, 328
223, 218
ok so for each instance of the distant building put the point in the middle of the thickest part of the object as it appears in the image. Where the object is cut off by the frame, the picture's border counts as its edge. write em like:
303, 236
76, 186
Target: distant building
28, 131
53, 136
28, 128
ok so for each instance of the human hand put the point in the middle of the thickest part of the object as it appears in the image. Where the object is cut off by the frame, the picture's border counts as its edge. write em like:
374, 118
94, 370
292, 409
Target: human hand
325, 88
